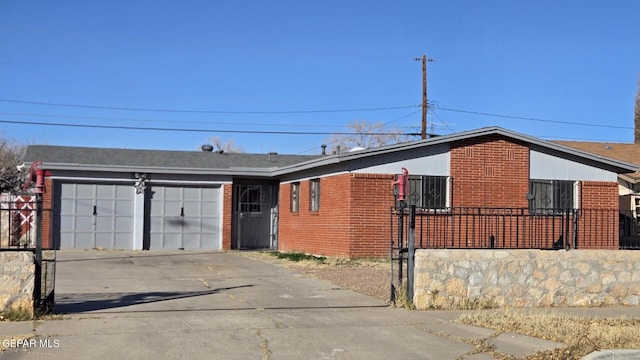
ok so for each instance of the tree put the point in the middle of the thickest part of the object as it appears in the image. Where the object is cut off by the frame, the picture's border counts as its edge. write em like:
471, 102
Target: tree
366, 135
228, 147
11, 172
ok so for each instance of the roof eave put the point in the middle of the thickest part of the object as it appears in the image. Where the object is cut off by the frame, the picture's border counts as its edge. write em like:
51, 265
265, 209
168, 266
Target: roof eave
260, 172
615, 165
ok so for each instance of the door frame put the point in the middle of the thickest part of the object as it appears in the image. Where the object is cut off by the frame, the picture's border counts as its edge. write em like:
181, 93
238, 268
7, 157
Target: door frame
268, 209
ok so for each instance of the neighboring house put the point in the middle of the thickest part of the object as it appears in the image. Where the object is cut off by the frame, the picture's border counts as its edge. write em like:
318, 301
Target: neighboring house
331, 205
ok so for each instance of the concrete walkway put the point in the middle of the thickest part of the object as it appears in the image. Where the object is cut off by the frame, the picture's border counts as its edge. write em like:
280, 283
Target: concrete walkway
217, 305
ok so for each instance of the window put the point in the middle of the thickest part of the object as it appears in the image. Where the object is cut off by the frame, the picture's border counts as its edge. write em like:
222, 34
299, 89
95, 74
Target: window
295, 197
249, 198
314, 195
551, 195
427, 191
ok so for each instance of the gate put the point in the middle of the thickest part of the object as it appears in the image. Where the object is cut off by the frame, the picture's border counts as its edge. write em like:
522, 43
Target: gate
21, 230
403, 251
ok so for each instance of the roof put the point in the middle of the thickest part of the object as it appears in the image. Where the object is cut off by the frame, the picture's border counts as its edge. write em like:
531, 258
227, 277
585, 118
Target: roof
616, 165
88, 158
628, 152
197, 162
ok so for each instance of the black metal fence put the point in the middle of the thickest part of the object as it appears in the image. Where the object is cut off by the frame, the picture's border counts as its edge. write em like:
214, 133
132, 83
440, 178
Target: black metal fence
520, 228
21, 230
503, 228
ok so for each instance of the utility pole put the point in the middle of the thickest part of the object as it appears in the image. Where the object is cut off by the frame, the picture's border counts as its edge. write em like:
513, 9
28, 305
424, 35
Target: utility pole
424, 94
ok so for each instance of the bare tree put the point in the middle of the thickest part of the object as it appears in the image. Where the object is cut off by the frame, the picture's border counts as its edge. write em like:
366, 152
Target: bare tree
11, 172
366, 134
228, 147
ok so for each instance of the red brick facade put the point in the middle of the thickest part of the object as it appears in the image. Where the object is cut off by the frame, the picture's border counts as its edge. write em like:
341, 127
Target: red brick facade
486, 172
489, 172
600, 201
47, 214
227, 214
353, 219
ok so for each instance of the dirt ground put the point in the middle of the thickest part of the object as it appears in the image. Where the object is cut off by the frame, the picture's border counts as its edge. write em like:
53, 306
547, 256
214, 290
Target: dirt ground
369, 277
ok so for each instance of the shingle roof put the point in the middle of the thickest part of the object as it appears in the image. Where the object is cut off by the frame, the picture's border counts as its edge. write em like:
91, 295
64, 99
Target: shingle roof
188, 162
95, 158
628, 152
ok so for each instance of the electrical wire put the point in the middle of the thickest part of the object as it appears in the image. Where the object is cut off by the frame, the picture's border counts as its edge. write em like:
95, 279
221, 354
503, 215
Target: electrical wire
206, 111
534, 119
189, 130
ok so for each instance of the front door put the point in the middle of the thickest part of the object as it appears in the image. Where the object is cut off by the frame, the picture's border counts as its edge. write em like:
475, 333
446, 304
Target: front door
255, 215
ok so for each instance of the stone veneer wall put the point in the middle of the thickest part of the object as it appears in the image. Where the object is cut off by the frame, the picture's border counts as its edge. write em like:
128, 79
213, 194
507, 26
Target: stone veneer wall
448, 279
17, 271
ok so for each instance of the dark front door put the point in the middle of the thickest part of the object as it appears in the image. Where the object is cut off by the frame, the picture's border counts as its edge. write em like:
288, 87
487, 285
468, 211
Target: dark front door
255, 215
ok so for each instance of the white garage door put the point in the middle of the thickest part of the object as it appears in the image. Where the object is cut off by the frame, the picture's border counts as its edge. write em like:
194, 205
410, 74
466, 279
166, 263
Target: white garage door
95, 216
184, 218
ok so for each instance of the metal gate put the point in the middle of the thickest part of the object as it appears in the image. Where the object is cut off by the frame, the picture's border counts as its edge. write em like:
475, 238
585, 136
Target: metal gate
402, 250
21, 230
255, 215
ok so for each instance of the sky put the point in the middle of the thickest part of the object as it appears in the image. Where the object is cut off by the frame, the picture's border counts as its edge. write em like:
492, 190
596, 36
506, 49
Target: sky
282, 75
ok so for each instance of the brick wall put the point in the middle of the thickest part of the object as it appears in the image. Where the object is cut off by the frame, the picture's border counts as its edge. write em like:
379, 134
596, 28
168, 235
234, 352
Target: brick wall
47, 214
227, 213
602, 230
353, 220
372, 199
323, 232
479, 167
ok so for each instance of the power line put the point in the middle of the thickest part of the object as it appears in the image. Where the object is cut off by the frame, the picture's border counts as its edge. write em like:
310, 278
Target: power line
205, 111
234, 123
278, 112
190, 130
534, 119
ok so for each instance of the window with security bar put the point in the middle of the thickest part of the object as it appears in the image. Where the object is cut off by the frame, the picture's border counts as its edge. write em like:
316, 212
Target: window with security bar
295, 197
314, 195
249, 198
551, 195
426, 191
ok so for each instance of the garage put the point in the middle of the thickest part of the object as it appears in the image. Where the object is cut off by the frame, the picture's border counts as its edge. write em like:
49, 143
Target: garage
95, 216
184, 217
137, 199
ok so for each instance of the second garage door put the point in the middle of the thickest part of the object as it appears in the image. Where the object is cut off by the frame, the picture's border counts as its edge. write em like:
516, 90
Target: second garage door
184, 218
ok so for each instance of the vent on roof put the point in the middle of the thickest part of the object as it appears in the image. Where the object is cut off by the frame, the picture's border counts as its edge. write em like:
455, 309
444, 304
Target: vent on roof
272, 156
207, 148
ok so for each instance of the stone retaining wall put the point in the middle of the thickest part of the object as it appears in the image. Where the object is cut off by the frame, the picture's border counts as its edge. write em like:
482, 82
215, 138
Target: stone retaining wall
17, 272
448, 279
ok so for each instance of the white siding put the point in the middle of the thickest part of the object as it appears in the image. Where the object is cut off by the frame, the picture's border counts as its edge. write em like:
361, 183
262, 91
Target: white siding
430, 161
549, 167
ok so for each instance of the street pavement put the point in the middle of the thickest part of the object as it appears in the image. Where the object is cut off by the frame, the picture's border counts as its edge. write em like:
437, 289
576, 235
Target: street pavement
222, 305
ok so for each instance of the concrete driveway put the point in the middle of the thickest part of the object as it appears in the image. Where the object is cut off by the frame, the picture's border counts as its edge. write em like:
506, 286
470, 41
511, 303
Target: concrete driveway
218, 305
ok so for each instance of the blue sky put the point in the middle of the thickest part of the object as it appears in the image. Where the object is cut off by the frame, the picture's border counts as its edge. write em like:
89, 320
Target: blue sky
552, 69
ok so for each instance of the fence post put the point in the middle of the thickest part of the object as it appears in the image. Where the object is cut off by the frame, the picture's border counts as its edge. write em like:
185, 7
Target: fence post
411, 253
37, 286
567, 215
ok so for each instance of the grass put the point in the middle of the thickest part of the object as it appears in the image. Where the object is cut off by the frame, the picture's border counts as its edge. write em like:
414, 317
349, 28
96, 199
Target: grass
297, 256
582, 335
16, 315
402, 299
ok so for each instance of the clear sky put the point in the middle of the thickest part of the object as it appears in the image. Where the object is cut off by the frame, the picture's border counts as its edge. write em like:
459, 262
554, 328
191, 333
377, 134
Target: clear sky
553, 69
